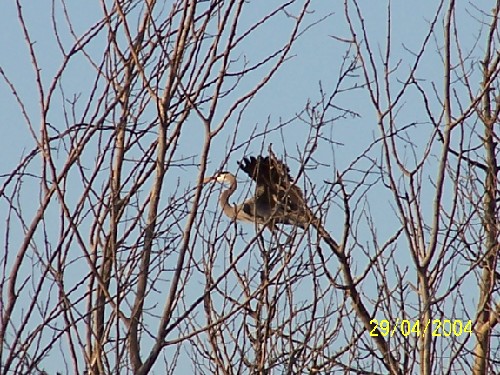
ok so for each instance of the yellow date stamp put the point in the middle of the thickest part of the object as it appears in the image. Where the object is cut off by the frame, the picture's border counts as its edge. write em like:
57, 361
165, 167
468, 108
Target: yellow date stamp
435, 327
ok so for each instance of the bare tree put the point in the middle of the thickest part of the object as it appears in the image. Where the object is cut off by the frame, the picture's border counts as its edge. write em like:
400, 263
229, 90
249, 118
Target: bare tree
453, 243
117, 258
112, 233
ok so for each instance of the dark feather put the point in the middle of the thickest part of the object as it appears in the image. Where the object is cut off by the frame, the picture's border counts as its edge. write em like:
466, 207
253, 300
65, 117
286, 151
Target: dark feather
275, 188
266, 170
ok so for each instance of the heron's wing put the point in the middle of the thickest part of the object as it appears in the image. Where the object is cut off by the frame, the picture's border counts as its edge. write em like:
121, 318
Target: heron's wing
263, 207
266, 170
275, 186
255, 210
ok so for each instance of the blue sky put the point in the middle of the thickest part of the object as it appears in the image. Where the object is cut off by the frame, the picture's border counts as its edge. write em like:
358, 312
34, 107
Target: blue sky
316, 58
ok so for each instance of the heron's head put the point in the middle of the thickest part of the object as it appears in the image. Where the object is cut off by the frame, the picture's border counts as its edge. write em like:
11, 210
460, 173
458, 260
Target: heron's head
221, 177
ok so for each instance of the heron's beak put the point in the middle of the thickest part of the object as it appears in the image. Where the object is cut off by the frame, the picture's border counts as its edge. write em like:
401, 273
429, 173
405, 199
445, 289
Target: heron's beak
208, 179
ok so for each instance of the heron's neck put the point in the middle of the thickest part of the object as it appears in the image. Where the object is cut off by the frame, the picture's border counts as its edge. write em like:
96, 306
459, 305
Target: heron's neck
228, 209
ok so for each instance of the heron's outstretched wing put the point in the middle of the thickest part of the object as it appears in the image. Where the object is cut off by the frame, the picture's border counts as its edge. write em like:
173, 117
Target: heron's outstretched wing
275, 187
267, 170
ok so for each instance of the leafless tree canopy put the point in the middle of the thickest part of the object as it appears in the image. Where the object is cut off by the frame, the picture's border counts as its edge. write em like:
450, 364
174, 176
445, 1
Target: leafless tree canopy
117, 258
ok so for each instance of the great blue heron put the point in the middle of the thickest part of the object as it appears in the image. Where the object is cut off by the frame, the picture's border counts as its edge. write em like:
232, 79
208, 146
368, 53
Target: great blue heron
277, 199
252, 210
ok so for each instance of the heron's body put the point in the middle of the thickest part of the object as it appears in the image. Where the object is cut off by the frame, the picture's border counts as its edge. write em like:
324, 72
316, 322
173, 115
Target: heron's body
277, 200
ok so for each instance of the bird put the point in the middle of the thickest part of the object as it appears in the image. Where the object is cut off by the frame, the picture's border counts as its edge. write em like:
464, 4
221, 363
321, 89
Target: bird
277, 198
253, 210
275, 201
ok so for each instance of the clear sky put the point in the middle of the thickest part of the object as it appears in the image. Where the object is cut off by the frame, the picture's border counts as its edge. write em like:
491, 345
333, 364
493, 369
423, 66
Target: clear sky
316, 58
